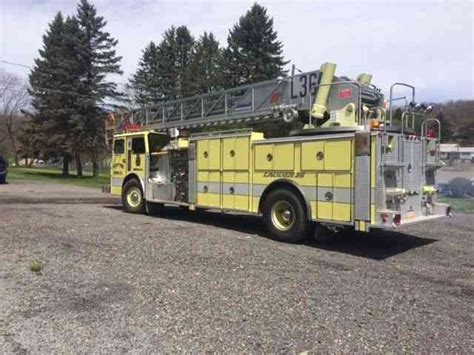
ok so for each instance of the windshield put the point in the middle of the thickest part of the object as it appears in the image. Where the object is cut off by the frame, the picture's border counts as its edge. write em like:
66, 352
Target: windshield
157, 141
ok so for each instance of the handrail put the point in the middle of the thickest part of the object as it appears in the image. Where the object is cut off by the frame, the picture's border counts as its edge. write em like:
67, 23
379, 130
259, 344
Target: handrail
413, 114
391, 96
425, 124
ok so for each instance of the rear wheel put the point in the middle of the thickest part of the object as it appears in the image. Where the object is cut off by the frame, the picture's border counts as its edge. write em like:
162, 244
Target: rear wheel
284, 215
3, 179
132, 197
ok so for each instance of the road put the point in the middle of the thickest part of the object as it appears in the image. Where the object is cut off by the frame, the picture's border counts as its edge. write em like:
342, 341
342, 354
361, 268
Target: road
195, 282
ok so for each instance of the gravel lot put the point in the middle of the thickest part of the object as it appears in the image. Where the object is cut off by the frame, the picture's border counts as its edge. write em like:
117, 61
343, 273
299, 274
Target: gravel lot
195, 282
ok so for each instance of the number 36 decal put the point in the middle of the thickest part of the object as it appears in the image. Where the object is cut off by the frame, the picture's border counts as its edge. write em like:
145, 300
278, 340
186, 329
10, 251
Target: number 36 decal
304, 84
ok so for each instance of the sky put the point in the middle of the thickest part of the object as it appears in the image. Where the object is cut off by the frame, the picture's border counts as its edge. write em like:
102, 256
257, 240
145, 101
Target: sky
425, 43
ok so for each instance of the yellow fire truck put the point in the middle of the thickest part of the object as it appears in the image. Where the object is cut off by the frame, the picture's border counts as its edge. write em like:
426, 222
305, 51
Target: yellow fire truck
352, 165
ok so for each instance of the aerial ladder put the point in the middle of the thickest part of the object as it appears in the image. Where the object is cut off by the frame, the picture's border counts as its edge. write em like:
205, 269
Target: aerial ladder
318, 98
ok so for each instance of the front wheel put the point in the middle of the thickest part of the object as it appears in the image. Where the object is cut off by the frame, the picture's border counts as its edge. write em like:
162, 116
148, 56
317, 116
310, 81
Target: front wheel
132, 197
284, 216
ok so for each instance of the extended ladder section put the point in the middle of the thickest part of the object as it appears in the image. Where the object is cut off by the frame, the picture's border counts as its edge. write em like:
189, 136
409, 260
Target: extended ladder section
317, 96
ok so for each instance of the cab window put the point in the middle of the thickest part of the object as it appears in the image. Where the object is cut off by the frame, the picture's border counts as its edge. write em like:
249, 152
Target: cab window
138, 145
156, 142
119, 146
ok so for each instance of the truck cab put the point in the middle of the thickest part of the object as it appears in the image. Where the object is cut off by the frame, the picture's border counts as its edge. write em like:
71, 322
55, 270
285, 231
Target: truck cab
149, 166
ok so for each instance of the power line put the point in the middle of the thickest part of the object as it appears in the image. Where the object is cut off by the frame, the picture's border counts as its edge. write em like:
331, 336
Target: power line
52, 90
13, 63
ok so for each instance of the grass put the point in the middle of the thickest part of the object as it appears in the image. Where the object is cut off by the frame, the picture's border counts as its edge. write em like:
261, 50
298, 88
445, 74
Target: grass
54, 175
36, 266
464, 205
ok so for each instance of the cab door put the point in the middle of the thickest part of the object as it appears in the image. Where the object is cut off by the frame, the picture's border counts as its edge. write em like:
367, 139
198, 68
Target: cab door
118, 166
137, 156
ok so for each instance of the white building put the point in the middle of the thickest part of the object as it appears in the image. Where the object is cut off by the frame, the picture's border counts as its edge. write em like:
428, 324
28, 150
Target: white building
455, 152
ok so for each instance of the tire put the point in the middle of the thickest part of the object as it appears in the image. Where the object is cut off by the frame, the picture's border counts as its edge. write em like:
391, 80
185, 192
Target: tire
132, 197
3, 179
284, 216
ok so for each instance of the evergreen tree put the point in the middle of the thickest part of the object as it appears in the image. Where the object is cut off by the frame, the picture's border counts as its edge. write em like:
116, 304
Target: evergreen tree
206, 65
148, 80
77, 91
52, 81
163, 71
253, 54
175, 53
69, 83
98, 59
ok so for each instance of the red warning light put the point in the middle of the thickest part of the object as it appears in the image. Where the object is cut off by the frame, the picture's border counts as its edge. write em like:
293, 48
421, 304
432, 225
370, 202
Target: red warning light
431, 133
345, 94
275, 98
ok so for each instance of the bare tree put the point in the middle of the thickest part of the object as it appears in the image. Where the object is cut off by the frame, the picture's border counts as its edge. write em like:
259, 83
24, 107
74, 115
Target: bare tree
13, 98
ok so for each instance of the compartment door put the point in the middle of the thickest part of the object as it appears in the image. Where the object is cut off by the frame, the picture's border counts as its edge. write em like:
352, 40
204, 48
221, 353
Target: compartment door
202, 154
202, 190
342, 202
228, 154
325, 195
312, 155
263, 156
235, 190
338, 154
284, 156
214, 154
209, 189
242, 153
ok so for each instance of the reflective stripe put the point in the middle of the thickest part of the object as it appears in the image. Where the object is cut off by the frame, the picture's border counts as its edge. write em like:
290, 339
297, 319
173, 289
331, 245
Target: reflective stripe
239, 189
116, 182
257, 189
340, 194
212, 187
343, 194
310, 192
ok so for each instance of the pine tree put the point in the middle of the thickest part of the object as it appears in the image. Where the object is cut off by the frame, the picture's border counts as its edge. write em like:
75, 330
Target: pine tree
77, 128
147, 82
99, 59
52, 82
163, 71
175, 55
206, 65
253, 54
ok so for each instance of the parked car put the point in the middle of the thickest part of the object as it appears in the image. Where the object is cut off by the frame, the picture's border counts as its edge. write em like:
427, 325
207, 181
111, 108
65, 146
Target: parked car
3, 170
